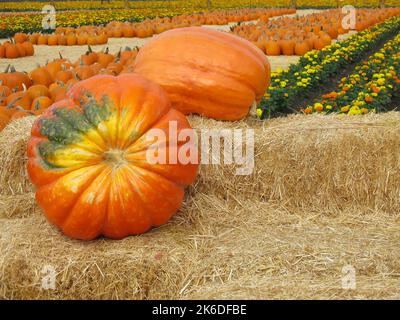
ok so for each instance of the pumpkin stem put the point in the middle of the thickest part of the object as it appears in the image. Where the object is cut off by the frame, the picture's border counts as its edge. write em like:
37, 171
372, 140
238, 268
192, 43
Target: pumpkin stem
115, 157
20, 109
13, 102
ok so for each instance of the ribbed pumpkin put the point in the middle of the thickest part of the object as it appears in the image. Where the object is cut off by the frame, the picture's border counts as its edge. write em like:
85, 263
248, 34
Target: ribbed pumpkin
272, 48
207, 72
87, 156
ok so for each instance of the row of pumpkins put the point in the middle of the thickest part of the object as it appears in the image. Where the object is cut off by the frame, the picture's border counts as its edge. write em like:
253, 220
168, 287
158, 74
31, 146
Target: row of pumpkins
23, 94
87, 155
298, 35
97, 35
11, 49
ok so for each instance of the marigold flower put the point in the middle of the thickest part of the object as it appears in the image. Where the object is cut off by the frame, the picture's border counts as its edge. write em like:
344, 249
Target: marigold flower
369, 99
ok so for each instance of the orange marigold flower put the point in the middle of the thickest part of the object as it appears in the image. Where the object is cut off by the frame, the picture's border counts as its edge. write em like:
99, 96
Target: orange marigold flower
375, 89
369, 99
308, 110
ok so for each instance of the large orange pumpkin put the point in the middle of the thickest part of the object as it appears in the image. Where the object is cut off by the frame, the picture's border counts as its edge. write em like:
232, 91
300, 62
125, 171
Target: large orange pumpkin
87, 158
205, 71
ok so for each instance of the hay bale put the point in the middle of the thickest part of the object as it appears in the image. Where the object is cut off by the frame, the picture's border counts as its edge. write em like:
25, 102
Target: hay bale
314, 162
17, 206
13, 158
300, 161
324, 194
212, 248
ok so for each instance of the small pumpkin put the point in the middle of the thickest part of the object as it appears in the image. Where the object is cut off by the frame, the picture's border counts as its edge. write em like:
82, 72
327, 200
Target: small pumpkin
28, 47
20, 49
38, 90
71, 39
12, 51
20, 37
87, 158
42, 39
301, 47
40, 104
4, 120
64, 75
58, 91
105, 58
41, 76
272, 48
219, 75
15, 80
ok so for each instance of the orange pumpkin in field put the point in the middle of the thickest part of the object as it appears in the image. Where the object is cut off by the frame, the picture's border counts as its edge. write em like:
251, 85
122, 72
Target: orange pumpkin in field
20, 37
41, 76
88, 157
42, 39
28, 47
4, 119
2, 51
219, 75
15, 80
12, 51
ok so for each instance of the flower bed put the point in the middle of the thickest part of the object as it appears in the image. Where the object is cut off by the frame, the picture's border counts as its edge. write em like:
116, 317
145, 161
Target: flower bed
370, 88
317, 67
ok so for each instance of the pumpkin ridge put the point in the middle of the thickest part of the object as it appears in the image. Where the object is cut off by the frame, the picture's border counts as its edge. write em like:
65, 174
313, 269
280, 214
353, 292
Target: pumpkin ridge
138, 175
157, 125
77, 194
136, 135
103, 177
221, 72
184, 92
217, 37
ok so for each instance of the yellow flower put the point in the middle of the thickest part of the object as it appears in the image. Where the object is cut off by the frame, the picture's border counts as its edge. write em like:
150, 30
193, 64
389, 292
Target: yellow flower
259, 113
354, 110
328, 107
381, 81
318, 107
345, 109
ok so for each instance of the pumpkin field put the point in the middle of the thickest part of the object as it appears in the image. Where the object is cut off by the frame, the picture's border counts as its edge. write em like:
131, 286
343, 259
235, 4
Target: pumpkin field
200, 149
